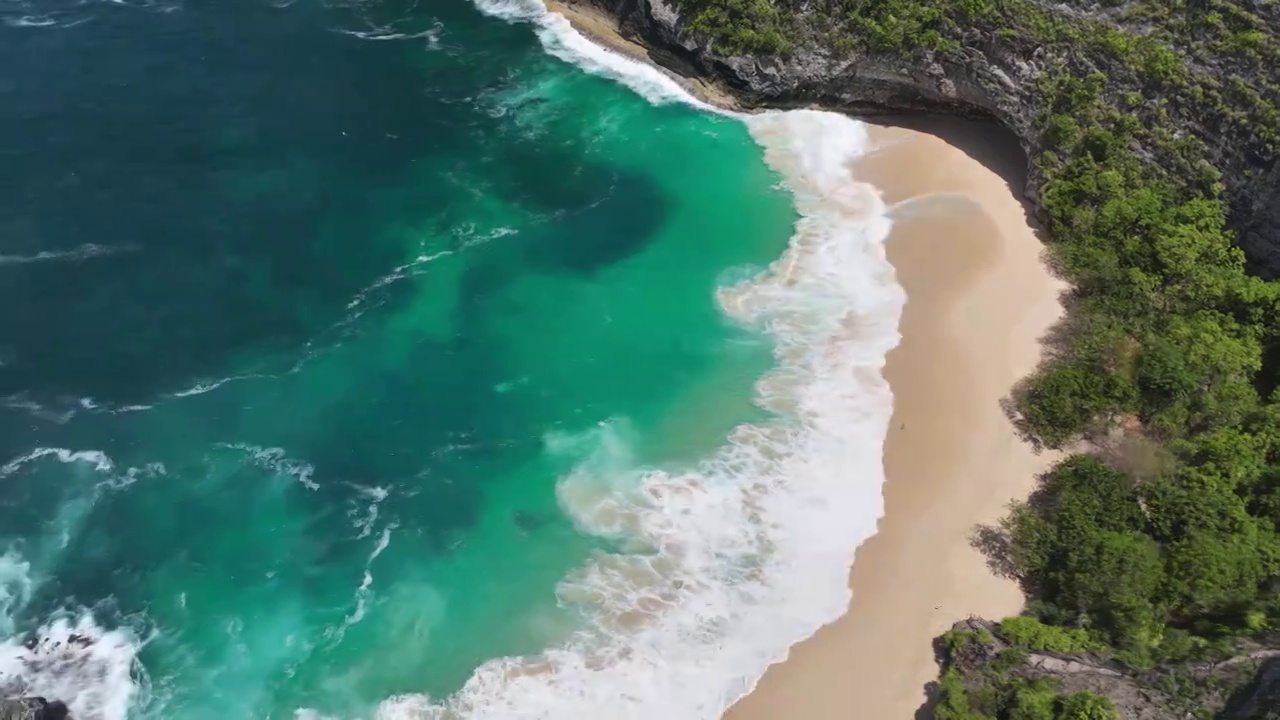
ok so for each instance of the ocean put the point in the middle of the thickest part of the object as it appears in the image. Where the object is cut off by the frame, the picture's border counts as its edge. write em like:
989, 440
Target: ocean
385, 359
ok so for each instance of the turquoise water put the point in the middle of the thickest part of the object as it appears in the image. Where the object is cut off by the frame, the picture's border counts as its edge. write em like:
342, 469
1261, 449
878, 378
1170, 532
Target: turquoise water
310, 307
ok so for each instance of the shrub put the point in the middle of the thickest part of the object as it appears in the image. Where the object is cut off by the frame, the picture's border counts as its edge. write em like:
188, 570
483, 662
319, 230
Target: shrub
1030, 633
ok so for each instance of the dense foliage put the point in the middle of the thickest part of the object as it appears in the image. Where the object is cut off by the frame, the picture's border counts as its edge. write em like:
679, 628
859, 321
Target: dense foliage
1161, 534
1158, 537
1018, 699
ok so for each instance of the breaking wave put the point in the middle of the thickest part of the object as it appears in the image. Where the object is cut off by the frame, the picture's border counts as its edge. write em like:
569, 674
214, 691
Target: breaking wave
724, 566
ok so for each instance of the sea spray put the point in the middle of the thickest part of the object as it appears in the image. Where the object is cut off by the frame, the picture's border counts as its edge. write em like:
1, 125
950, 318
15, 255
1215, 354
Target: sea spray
725, 566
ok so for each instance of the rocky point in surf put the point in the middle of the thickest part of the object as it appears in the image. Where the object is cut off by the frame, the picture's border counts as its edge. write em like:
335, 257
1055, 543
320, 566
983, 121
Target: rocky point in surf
1150, 556
32, 708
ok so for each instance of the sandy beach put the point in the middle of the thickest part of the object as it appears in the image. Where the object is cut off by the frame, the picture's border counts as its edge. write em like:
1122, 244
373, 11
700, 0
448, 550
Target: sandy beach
979, 301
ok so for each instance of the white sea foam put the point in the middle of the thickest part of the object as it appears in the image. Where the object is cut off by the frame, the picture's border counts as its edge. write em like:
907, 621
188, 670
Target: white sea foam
76, 661
401, 272
131, 475
15, 588
130, 408
364, 517
725, 566
62, 416
391, 32
92, 405
96, 458
276, 460
364, 593
100, 462
30, 21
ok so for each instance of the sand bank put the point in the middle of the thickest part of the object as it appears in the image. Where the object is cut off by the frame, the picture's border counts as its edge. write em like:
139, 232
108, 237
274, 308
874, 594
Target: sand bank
979, 299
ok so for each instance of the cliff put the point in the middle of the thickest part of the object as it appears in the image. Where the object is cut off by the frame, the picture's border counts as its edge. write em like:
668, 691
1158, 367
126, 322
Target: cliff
1212, 115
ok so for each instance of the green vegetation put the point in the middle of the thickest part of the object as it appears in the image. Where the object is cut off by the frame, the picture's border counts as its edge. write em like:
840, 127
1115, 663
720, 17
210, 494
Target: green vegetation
1158, 539
1031, 634
957, 640
1168, 342
744, 25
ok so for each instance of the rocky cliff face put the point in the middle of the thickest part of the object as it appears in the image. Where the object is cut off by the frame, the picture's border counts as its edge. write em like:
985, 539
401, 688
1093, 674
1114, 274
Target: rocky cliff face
991, 76
1246, 687
978, 84
981, 83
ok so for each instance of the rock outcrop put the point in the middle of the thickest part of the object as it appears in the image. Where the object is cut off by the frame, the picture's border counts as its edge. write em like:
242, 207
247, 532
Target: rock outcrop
989, 84
32, 708
1246, 687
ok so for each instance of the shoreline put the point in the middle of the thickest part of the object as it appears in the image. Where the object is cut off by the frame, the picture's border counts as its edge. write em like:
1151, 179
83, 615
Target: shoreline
979, 300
